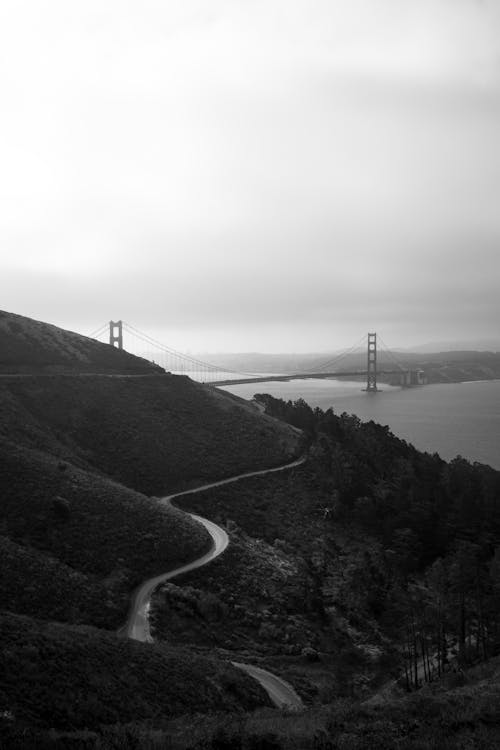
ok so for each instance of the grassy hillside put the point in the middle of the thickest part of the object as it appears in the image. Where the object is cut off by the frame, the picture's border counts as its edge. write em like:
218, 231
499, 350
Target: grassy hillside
36, 583
75, 677
75, 544
30, 346
461, 714
153, 434
76, 541
76, 535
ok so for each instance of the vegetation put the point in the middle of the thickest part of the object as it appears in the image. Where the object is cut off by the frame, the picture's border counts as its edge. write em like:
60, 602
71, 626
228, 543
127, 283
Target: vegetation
292, 590
437, 527
76, 677
252, 598
74, 542
32, 582
154, 434
368, 577
30, 346
86, 531
444, 717
389, 553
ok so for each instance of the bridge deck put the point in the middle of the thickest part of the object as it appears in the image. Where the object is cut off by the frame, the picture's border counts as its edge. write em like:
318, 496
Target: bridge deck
299, 376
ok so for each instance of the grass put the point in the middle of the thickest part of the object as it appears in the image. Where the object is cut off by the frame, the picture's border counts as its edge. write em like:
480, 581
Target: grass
69, 677
75, 544
283, 591
31, 346
154, 434
35, 583
287, 505
460, 720
80, 458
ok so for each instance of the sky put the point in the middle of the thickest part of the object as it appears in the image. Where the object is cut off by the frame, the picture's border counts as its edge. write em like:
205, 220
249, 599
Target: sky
253, 175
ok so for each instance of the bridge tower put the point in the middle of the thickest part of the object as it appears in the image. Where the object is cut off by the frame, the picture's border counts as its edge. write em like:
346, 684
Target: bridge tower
371, 375
116, 334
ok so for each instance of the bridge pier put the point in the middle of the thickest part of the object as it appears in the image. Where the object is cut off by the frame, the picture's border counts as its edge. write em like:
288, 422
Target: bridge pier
409, 378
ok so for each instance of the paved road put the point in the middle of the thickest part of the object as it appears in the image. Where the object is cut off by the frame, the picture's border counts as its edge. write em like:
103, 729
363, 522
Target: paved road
281, 693
137, 626
231, 480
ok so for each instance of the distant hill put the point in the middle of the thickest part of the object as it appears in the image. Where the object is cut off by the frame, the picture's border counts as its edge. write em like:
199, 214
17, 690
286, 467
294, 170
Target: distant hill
470, 345
266, 362
29, 346
440, 366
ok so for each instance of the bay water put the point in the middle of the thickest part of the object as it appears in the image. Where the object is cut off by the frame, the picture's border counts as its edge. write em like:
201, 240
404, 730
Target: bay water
450, 419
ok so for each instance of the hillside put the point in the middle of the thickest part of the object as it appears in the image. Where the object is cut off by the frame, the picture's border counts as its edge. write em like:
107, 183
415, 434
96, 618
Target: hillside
64, 439
461, 714
343, 572
76, 677
30, 346
153, 434
368, 569
454, 366
75, 544
85, 440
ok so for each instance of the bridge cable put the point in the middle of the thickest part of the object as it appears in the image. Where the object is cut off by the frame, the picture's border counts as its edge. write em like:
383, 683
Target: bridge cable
207, 367
98, 332
168, 350
342, 355
168, 358
165, 349
391, 355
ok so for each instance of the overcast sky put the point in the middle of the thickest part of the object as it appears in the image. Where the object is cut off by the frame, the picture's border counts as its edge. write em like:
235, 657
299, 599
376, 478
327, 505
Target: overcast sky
240, 175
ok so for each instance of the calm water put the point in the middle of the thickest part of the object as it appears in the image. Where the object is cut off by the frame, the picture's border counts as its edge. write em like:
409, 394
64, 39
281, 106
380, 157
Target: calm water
450, 419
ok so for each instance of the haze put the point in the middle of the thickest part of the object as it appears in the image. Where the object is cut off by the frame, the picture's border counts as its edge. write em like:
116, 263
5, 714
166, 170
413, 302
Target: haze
271, 176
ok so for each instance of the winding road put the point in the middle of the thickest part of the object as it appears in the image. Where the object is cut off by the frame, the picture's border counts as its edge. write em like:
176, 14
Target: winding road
137, 626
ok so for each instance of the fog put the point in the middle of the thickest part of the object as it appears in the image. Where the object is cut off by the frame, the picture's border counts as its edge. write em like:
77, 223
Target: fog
271, 176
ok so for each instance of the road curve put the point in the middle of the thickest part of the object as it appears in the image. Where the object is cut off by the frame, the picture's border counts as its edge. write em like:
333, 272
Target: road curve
281, 693
137, 626
259, 472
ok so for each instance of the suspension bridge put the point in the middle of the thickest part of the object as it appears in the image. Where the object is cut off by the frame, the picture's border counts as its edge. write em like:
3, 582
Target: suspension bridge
343, 365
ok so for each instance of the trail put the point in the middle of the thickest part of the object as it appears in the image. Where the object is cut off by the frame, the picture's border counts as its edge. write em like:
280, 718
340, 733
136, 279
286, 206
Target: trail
137, 626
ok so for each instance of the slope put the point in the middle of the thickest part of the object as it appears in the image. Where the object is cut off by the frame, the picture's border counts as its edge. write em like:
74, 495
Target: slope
75, 677
74, 544
31, 346
154, 434
82, 424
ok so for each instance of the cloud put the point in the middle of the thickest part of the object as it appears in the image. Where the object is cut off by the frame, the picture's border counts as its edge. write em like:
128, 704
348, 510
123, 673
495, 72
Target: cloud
263, 170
